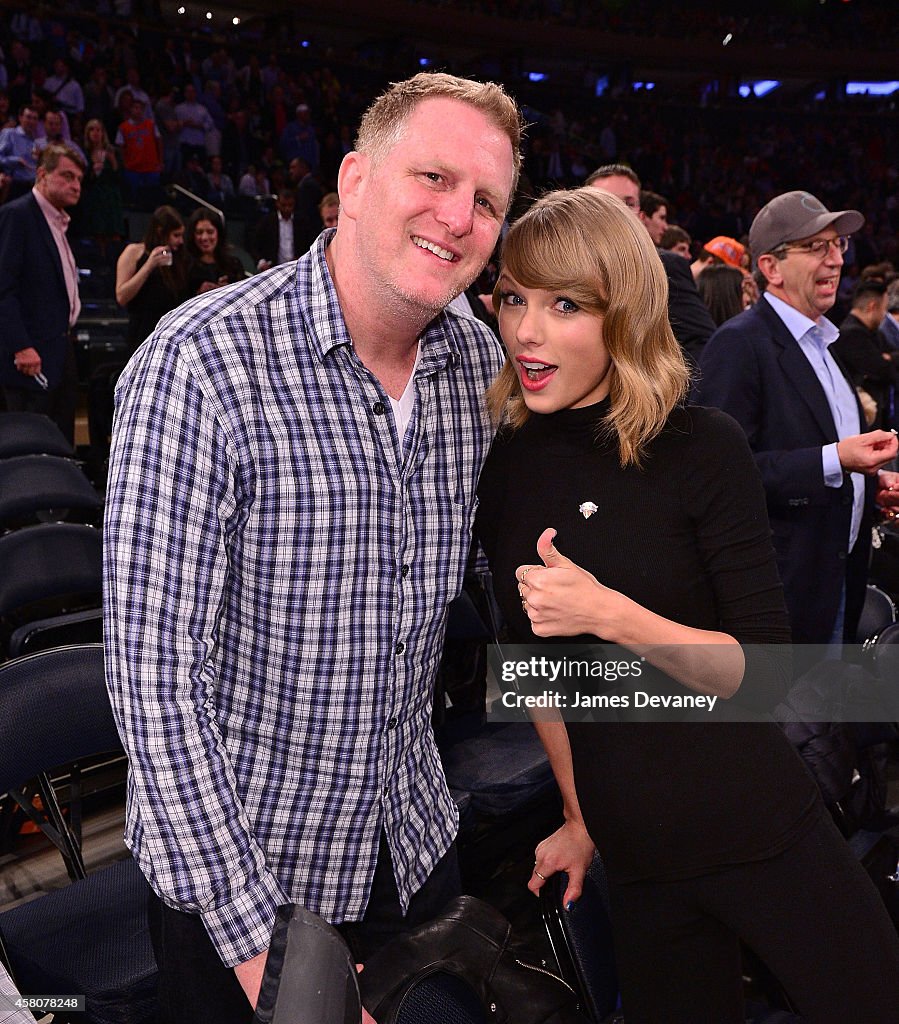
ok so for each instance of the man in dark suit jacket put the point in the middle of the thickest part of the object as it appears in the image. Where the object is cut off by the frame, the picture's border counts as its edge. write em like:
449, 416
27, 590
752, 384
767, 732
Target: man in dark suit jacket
771, 370
284, 234
39, 292
690, 319
872, 363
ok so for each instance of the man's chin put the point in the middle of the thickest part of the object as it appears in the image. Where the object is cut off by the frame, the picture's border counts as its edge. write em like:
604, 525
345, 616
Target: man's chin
432, 301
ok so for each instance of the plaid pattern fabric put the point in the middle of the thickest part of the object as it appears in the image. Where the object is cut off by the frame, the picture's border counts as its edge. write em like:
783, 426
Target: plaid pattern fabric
278, 565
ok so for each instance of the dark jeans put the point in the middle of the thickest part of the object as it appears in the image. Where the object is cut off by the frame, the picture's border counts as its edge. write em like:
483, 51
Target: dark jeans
58, 403
194, 984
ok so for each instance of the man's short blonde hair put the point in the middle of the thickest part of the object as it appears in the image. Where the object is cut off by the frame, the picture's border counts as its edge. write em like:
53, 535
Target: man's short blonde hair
384, 123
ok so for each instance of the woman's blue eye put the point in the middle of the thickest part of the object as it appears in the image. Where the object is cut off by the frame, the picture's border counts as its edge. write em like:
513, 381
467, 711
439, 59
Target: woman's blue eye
566, 305
510, 299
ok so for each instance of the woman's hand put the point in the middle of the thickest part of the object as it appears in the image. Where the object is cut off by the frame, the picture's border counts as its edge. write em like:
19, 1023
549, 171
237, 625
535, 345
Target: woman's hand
569, 849
161, 256
562, 599
208, 286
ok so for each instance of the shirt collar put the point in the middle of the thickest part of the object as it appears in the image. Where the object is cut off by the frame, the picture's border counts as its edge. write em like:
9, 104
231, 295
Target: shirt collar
49, 210
439, 344
798, 324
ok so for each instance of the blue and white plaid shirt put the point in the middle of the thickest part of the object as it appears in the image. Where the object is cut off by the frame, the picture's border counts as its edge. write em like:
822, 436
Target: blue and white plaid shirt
278, 566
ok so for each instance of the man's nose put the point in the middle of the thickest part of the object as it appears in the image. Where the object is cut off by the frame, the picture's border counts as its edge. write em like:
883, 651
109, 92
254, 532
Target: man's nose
456, 212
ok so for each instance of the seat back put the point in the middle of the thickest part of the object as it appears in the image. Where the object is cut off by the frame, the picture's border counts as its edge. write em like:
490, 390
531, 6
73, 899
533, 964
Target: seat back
30, 433
309, 973
54, 709
878, 612
48, 562
581, 939
31, 485
85, 627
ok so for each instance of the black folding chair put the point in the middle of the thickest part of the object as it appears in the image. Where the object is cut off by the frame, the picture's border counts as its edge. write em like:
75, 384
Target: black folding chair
85, 627
43, 488
581, 940
30, 433
90, 937
879, 611
50, 576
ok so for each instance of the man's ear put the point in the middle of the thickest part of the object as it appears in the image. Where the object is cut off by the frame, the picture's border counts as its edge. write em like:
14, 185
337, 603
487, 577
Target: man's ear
769, 265
355, 169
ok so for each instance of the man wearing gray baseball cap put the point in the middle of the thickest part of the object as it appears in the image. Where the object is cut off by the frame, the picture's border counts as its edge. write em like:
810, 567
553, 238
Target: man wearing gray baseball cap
770, 368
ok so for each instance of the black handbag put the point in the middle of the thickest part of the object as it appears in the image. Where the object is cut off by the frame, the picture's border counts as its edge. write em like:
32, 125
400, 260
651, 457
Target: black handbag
473, 942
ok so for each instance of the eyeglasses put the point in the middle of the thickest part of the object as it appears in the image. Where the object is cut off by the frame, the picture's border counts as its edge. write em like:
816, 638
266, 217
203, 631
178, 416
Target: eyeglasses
819, 248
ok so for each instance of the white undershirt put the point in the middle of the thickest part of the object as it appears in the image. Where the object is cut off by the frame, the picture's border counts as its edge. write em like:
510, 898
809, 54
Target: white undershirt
404, 406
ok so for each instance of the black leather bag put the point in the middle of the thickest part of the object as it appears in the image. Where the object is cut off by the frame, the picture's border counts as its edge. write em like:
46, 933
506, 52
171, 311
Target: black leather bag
473, 942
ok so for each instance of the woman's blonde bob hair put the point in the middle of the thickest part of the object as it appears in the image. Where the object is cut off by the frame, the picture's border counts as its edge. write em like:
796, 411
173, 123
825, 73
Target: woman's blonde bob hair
585, 245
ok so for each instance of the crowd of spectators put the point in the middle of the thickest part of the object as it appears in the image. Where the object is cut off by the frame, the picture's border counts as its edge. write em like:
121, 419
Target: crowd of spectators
237, 123
782, 25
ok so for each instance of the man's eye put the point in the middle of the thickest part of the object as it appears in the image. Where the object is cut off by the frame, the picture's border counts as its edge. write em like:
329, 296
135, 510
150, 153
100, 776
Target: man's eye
485, 203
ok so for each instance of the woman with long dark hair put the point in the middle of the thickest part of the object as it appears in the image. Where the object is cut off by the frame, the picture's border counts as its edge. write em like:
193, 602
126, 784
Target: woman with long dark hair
612, 512
151, 275
721, 289
212, 263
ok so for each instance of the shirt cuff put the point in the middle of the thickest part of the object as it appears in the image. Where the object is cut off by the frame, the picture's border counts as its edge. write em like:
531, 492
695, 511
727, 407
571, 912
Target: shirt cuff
833, 471
242, 928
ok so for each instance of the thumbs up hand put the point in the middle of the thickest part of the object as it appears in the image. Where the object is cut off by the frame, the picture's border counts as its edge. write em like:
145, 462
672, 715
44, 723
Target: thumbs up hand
562, 599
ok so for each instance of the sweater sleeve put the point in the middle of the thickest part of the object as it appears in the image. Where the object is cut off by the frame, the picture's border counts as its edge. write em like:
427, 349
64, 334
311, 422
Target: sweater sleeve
723, 494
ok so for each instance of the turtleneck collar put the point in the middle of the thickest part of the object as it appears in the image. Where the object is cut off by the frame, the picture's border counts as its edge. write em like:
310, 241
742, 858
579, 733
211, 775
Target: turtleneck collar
571, 431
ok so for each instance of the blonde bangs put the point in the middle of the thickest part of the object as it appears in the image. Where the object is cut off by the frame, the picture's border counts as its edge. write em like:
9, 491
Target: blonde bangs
589, 247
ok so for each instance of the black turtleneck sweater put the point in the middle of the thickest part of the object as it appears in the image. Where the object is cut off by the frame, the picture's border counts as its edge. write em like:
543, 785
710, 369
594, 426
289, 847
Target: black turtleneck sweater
687, 537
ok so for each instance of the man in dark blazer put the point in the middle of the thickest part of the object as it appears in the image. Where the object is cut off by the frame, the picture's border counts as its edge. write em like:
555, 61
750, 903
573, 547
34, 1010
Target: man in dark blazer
39, 292
284, 234
771, 370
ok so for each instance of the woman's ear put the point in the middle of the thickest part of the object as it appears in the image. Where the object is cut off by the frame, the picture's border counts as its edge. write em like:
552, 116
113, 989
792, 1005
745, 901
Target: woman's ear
352, 177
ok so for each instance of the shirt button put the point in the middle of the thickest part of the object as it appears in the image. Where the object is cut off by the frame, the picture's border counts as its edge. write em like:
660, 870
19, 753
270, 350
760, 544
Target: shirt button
400, 647
378, 408
405, 571
391, 723
841, 554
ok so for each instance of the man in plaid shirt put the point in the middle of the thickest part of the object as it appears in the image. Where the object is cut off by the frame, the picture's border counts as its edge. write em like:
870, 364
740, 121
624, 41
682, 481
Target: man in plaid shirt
291, 490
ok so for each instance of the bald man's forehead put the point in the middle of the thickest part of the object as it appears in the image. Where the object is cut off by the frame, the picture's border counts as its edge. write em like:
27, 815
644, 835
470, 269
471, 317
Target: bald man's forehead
618, 185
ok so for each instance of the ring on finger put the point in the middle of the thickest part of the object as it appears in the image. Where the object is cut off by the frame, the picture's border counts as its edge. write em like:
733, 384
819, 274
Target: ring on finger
541, 877
522, 576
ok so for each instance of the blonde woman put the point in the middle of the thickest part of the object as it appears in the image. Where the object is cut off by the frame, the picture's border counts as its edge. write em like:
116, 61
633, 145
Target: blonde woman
611, 511
101, 212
